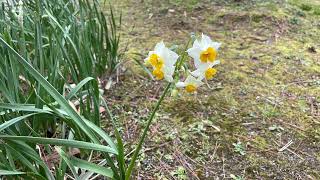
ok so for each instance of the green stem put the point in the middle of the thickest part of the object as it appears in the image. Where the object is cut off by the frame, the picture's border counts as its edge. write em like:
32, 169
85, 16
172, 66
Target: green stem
181, 61
120, 148
145, 131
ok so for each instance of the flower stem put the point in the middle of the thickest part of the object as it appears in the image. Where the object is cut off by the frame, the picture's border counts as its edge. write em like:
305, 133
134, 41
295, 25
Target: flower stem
145, 131
181, 61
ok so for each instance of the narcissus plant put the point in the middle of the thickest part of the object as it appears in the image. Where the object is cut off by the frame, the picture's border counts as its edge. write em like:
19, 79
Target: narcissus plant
163, 61
170, 66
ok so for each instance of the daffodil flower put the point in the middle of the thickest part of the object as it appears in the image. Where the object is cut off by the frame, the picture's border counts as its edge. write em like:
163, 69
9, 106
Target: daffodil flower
163, 60
204, 52
191, 84
206, 71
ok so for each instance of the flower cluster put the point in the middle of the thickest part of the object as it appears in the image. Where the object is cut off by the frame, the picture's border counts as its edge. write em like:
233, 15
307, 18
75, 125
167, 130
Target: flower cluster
204, 54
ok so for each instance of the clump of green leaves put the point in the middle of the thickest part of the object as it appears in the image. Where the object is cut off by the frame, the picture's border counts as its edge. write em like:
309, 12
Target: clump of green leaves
66, 43
294, 21
180, 173
239, 148
306, 7
52, 54
234, 177
316, 11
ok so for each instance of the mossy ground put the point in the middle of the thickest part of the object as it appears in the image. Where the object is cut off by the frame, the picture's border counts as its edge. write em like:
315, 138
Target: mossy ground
265, 96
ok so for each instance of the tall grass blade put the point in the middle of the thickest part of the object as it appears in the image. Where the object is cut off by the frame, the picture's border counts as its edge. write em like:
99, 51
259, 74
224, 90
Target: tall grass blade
10, 173
107, 172
61, 142
66, 158
14, 120
75, 90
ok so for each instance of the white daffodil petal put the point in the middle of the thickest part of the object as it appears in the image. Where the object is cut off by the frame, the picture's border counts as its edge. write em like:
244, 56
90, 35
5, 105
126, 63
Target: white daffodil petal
197, 82
196, 58
194, 81
168, 73
159, 46
194, 52
204, 66
216, 62
196, 43
190, 79
171, 69
170, 57
168, 78
162, 53
196, 73
200, 76
180, 84
216, 45
205, 41
174, 57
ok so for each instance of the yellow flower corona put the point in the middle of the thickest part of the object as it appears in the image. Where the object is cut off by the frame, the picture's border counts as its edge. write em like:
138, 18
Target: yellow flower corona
210, 73
208, 55
158, 73
156, 61
190, 88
